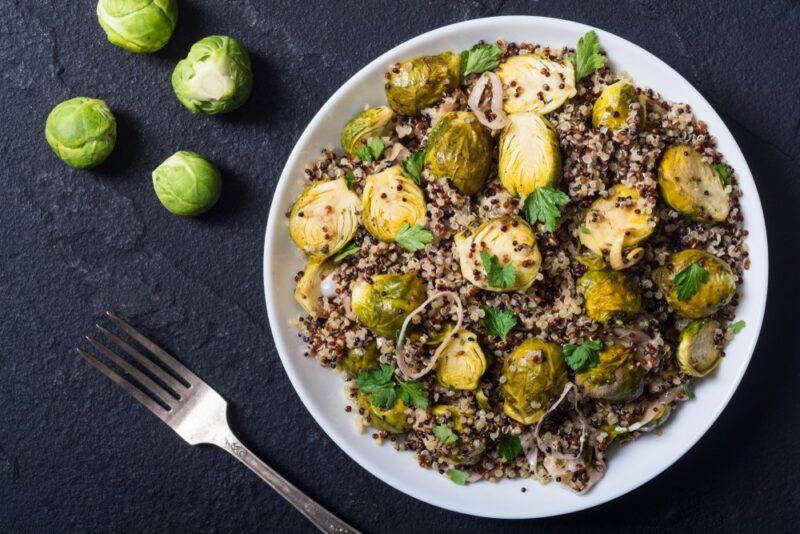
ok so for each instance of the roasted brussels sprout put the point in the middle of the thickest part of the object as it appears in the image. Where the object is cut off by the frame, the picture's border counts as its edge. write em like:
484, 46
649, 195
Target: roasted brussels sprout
699, 349
612, 109
81, 131
460, 149
511, 240
615, 225
616, 378
710, 295
359, 359
455, 415
372, 122
307, 292
141, 26
324, 218
383, 304
691, 186
529, 154
215, 77
390, 201
535, 83
609, 295
461, 363
187, 183
413, 85
535, 373
392, 420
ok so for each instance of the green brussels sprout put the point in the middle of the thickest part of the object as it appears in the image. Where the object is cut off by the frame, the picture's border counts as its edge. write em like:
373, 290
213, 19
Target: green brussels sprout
615, 225
383, 304
215, 77
613, 107
187, 183
535, 83
609, 295
535, 373
324, 218
461, 363
590, 260
460, 149
700, 347
308, 289
359, 359
529, 154
390, 201
462, 452
511, 240
392, 420
616, 377
372, 122
141, 26
416, 84
710, 296
81, 131
691, 186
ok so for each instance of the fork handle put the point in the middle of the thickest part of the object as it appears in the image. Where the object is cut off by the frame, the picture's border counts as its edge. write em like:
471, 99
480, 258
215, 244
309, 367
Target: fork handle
314, 512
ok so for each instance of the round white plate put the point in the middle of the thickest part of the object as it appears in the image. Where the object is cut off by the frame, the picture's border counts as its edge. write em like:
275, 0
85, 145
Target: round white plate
322, 390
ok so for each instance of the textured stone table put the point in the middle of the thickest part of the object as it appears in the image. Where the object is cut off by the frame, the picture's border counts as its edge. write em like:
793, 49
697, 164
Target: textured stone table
77, 455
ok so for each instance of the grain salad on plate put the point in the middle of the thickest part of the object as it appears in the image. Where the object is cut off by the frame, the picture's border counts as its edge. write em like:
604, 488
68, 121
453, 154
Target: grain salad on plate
519, 261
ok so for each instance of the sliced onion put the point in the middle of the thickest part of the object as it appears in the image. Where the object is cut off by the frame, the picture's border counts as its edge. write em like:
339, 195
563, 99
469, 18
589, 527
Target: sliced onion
615, 258
496, 105
654, 408
628, 334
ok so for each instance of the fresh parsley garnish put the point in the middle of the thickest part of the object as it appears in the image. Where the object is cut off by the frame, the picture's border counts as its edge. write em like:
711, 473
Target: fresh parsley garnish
412, 393
384, 387
350, 250
587, 55
371, 151
413, 166
349, 178
583, 357
689, 279
688, 388
544, 205
480, 58
510, 447
738, 326
444, 434
584, 230
498, 322
413, 238
364, 154
723, 174
458, 476
499, 275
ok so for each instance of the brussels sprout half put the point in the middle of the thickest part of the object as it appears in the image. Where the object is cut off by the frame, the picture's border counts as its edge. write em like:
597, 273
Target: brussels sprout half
372, 122
535, 373
529, 154
698, 351
390, 201
187, 184
413, 85
461, 363
141, 26
691, 186
616, 378
359, 359
460, 149
535, 83
612, 109
383, 304
392, 420
81, 131
307, 291
609, 295
710, 296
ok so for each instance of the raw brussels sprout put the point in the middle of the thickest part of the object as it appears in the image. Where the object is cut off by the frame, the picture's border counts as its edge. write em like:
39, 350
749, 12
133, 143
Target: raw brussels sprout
383, 304
413, 85
141, 26
616, 378
615, 225
460, 149
461, 363
612, 107
609, 295
529, 154
324, 218
215, 77
390, 201
81, 131
359, 359
535, 83
187, 183
699, 349
511, 240
710, 296
372, 122
535, 373
691, 186
392, 420
307, 292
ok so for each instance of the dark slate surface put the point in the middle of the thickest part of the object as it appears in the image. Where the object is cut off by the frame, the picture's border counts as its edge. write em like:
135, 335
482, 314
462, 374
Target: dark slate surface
76, 455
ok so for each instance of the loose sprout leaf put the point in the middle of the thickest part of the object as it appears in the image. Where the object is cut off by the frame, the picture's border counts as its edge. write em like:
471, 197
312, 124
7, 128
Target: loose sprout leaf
444, 434
689, 279
544, 205
413, 238
349, 178
723, 174
499, 275
582, 357
480, 58
363, 153
587, 55
413, 166
413, 393
376, 147
350, 250
584, 230
458, 476
498, 322
738, 326
510, 447
688, 388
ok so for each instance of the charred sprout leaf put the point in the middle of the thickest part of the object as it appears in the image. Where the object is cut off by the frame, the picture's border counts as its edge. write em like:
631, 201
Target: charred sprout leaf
688, 281
413, 238
510, 447
458, 476
499, 275
412, 393
349, 178
688, 388
582, 357
413, 166
723, 174
737, 327
444, 434
497, 322
350, 250
544, 205
364, 154
587, 55
480, 58
376, 147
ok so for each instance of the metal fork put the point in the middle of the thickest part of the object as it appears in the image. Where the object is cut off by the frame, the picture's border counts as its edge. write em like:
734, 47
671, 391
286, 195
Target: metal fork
194, 410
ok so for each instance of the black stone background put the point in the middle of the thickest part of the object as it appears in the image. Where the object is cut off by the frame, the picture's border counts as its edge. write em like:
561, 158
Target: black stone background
78, 455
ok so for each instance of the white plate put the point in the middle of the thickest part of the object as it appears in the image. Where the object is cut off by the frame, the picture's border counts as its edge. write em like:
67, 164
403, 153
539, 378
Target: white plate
321, 389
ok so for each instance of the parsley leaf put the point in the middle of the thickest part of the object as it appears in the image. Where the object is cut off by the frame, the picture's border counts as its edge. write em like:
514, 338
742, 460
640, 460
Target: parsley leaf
480, 58
458, 476
499, 275
385, 397
364, 154
510, 447
584, 230
688, 281
413, 165
350, 250
444, 434
498, 322
587, 55
378, 382
582, 357
688, 388
723, 174
349, 178
413, 393
738, 326
376, 147
413, 238
544, 205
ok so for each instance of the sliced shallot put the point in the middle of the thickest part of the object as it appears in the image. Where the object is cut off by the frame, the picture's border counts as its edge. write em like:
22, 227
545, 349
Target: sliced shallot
496, 105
